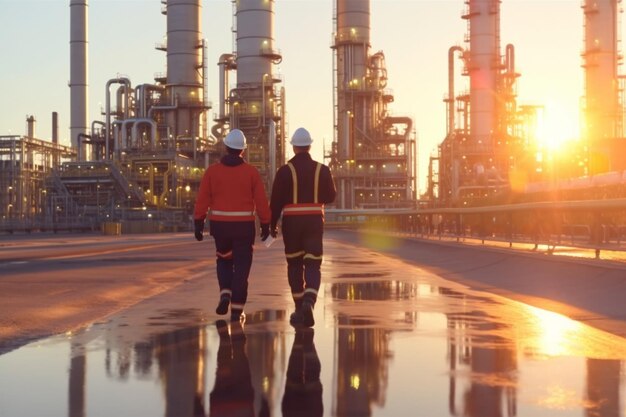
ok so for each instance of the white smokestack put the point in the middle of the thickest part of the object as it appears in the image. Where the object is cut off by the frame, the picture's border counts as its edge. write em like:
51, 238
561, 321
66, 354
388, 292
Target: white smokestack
78, 69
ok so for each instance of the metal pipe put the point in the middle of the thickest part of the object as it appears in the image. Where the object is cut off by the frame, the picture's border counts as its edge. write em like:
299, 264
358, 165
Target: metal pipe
116, 136
78, 69
141, 95
79, 145
263, 99
125, 143
451, 98
226, 64
162, 108
93, 126
510, 59
283, 133
123, 101
153, 131
272, 149
121, 80
102, 125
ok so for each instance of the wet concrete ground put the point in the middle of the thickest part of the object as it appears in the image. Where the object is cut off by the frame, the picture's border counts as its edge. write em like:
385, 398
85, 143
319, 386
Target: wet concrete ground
390, 339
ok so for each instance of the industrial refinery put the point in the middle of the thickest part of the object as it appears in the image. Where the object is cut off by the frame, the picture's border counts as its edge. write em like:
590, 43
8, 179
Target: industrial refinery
490, 153
139, 163
373, 155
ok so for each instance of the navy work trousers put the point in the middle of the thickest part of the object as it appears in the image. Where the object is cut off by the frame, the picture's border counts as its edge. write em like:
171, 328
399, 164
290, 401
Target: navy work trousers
303, 236
233, 243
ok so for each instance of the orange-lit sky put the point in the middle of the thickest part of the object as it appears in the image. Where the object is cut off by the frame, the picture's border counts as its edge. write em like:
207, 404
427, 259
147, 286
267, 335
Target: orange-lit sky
414, 34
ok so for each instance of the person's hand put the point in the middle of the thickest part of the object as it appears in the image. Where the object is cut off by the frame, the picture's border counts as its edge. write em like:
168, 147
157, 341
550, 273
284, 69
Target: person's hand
199, 227
265, 231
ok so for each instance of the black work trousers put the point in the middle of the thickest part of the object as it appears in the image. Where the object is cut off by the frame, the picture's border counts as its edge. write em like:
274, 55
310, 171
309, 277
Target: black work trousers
303, 236
234, 244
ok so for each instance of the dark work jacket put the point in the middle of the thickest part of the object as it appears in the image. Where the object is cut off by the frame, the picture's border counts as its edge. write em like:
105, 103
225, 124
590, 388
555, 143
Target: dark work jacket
282, 190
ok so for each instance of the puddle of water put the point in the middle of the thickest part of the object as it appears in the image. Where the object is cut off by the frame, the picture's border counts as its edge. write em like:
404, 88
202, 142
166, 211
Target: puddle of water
386, 348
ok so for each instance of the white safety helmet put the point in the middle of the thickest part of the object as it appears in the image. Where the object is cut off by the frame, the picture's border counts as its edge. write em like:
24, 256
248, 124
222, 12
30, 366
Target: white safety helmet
235, 139
301, 137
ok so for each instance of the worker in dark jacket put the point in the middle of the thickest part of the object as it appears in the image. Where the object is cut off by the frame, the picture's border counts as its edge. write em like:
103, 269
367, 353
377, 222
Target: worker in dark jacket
300, 190
233, 191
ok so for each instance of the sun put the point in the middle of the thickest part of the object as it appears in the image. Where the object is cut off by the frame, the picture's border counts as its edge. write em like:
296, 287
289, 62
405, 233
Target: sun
557, 125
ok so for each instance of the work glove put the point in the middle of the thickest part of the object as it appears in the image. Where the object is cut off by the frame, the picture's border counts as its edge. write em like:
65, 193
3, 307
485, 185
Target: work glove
265, 231
199, 227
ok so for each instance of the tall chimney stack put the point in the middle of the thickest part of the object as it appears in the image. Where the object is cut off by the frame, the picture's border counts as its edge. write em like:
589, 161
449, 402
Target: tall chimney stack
30, 122
78, 69
55, 127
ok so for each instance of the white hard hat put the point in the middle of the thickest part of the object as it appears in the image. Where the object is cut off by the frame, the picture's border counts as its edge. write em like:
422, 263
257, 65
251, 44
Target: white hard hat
301, 137
235, 139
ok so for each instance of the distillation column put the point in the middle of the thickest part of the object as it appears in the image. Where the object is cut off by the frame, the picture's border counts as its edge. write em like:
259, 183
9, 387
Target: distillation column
602, 109
78, 70
483, 65
184, 68
373, 152
255, 105
352, 43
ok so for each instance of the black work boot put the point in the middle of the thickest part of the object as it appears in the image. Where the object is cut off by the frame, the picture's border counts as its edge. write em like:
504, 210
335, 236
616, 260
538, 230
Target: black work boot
237, 315
296, 318
307, 314
222, 306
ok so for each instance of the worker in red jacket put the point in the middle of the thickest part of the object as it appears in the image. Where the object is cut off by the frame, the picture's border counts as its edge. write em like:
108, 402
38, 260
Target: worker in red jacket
233, 191
300, 190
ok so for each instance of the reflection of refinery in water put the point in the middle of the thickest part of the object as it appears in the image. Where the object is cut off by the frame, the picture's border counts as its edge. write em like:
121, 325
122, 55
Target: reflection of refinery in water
144, 159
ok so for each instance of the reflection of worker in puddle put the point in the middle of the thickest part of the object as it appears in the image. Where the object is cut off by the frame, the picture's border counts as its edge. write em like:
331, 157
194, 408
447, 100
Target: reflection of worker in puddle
232, 395
303, 389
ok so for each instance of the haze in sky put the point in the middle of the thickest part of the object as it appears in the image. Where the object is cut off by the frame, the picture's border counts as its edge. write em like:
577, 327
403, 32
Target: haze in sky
414, 35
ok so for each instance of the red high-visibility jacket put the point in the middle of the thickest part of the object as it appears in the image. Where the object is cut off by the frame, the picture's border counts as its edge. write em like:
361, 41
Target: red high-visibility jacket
233, 191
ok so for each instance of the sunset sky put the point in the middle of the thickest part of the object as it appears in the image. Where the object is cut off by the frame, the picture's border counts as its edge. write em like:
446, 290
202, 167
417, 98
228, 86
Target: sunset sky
414, 35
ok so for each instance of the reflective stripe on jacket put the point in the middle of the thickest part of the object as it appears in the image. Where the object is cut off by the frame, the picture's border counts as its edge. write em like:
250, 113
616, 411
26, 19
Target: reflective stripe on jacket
233, 193
299, 209
301, 187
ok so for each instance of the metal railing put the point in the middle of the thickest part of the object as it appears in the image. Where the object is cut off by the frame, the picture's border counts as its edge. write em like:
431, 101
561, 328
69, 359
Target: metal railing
598, 225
